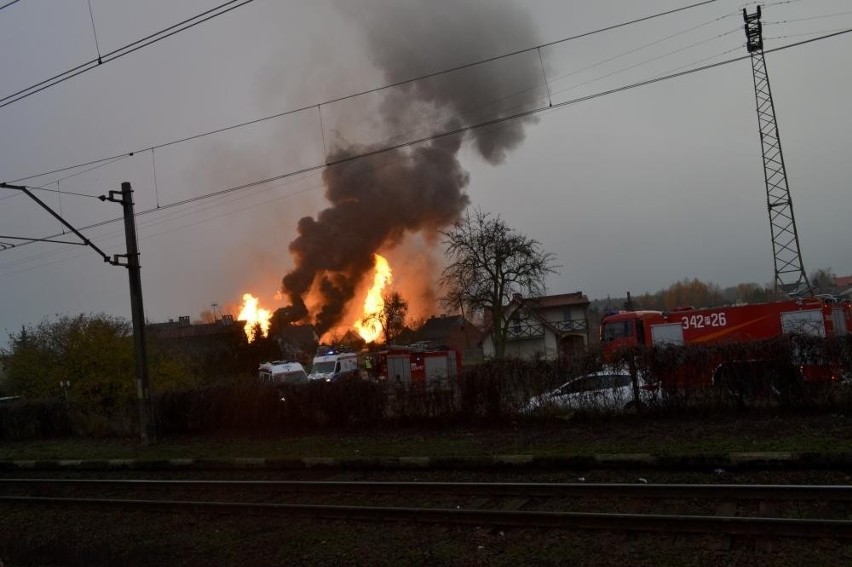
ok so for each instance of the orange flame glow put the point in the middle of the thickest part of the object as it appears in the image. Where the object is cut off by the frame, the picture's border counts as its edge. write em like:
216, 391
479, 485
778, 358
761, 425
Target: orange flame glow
253, 315
373, 304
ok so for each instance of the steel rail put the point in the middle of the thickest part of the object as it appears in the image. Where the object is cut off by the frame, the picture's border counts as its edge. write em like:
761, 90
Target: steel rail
753, 526
834, 493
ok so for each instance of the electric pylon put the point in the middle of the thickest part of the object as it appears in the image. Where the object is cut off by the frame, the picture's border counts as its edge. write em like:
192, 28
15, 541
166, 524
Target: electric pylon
790, 277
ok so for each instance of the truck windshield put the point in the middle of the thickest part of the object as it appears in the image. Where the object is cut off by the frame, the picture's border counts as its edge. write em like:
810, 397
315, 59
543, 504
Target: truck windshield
617, 330
326, 367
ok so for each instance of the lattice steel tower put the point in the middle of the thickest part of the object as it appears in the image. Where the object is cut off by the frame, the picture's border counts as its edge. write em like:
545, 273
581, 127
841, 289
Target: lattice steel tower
790, 277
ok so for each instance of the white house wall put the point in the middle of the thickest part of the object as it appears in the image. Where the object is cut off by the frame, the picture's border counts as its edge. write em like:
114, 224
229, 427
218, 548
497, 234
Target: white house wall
541, 347
527, 349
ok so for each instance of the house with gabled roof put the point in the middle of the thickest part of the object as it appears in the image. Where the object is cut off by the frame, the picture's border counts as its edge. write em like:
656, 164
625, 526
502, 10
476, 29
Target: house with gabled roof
548, 327
452, 331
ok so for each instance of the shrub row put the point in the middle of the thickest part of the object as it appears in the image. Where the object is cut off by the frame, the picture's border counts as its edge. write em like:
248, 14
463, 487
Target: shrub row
491, 393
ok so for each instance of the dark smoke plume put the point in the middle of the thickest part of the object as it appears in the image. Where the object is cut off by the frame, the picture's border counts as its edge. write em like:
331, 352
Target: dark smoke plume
376, 200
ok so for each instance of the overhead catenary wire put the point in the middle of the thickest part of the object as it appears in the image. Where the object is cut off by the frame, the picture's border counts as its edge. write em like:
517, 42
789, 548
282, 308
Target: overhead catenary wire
50, 258
420, 140
76, 174
644, 46
94, 31
371, 90
100, 163
808, 19
58, 217
549, 81
460, 130
293, 111
645, 62
278, 177
7, 4
539, 50
803, 34
61, 192
122, 51
105, 161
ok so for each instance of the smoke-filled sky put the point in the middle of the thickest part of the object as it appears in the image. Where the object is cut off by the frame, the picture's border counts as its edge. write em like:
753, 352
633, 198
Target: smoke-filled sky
631, 190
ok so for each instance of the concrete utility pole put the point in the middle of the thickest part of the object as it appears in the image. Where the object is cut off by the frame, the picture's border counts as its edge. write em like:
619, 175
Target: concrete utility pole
131, 262
146, 425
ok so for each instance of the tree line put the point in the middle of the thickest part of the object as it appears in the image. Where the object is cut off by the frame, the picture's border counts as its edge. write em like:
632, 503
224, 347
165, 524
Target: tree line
696, 293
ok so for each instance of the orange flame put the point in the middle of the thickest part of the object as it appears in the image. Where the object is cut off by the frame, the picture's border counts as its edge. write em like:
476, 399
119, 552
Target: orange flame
374, 304
253, 315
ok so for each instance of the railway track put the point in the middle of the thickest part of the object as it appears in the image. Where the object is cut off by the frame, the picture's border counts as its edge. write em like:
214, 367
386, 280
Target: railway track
773, 511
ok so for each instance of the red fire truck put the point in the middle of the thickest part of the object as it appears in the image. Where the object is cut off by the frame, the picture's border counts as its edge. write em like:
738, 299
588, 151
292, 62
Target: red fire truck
737, 325
408, 366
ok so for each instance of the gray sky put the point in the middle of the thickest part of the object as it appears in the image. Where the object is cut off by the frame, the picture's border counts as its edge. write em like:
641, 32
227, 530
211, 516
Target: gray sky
631, 191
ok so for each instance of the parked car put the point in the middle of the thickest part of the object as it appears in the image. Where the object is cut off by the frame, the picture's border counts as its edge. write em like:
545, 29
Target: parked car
609, 390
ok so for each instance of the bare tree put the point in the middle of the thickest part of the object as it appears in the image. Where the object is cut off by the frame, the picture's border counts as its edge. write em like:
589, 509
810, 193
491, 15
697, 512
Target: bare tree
206, 316
488, 264
822, 280
392, 316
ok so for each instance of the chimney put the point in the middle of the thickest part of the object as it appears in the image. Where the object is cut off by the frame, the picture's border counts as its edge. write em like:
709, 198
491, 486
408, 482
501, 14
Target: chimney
628, 305
183, 320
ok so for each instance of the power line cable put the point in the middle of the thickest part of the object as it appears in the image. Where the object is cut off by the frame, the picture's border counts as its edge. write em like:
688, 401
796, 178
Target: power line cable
643, 47
94, 31
214, 205
117, 235
809, 18
702, 60
70, 167
460, 130
320, 166
794, 35
549, 81
779, 2
59, 192
217, 205
7, 4
122, 51
44, 187
375, 89
244, 186
645, 62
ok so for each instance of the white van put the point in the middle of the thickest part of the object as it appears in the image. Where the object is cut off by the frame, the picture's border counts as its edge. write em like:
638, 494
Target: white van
282, 372
334, 366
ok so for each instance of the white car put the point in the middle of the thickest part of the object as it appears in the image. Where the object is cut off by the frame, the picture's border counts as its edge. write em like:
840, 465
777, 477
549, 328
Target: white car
603, 391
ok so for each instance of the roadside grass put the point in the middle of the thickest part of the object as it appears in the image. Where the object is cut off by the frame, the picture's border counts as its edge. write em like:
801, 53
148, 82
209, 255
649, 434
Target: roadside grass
583, 436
